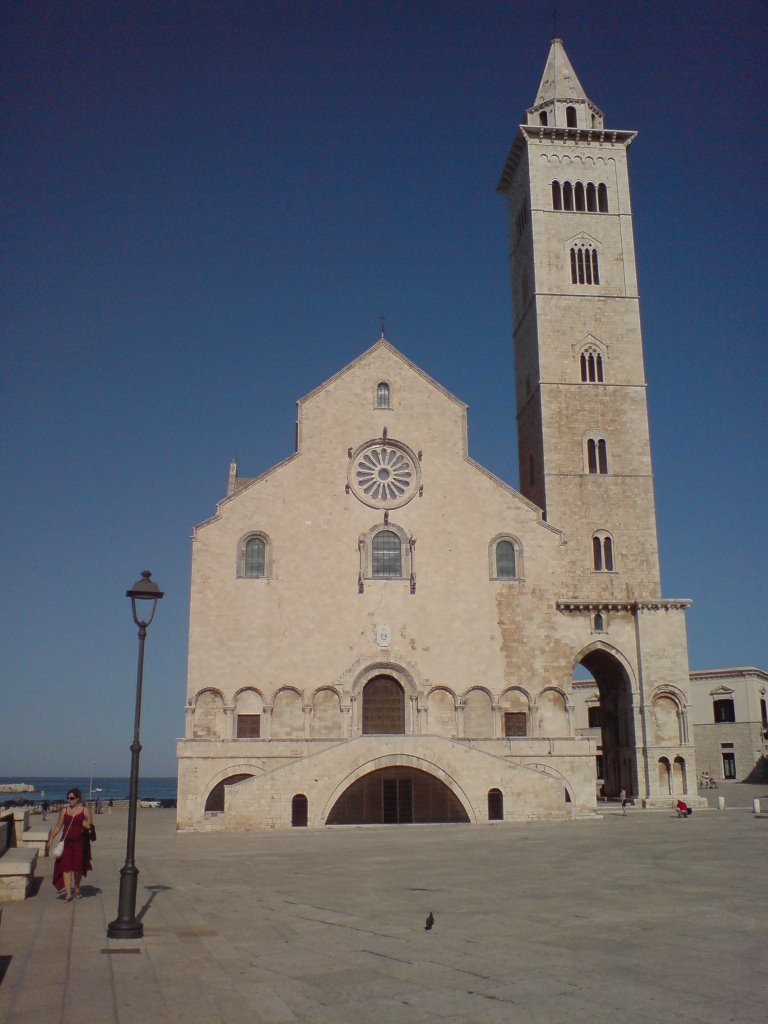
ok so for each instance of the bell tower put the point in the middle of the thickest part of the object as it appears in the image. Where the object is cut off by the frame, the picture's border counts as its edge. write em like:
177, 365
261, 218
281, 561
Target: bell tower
582, 419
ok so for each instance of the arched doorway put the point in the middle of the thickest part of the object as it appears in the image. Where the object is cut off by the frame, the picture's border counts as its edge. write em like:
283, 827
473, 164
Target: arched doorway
495, 805
383, 706
215, 801
617, 727
397, 796
299, 811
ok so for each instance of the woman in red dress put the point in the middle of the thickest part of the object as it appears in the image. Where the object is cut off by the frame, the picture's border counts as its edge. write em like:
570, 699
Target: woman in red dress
75, 823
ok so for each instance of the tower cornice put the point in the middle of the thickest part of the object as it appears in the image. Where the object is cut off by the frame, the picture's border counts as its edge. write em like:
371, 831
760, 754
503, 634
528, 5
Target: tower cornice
559, 135
661, 604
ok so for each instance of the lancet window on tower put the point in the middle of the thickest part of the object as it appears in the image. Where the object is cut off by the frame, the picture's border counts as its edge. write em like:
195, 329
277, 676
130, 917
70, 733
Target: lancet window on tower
602, 552
591, 366
580, 198
585, 268
597, 455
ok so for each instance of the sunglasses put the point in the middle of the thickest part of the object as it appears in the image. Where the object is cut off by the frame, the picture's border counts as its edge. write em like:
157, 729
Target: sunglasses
71, 798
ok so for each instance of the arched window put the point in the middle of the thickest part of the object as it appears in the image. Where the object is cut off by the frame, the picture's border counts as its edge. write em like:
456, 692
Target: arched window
386, 555
383, 707
570, 117
602, 198
557, 196
598, 625
591, 366
578, 192
505, 558
543, 117
254, 557
602, 456
597, 455
584, 265
591, 198
382, 395
591, 456
602, 552
567, 195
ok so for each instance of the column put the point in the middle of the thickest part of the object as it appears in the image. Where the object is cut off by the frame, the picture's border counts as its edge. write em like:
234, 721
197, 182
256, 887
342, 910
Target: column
266, 731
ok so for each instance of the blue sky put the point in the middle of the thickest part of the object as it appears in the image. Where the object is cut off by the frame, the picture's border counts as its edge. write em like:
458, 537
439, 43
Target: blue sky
206, 206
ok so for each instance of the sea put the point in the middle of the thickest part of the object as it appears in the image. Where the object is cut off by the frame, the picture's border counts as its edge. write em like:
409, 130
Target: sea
151, 787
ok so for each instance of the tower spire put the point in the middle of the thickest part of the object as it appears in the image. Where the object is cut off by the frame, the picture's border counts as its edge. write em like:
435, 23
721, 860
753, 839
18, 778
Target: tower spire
561, 100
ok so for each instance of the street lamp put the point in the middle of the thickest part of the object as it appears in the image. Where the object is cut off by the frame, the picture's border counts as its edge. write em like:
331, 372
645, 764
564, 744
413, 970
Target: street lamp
126, 925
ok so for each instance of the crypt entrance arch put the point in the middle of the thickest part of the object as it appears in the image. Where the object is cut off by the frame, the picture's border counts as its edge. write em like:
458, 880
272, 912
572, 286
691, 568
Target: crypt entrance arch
617, 721
395, 790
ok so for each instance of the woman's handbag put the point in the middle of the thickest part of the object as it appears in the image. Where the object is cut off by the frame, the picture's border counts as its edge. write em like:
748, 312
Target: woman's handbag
58, 849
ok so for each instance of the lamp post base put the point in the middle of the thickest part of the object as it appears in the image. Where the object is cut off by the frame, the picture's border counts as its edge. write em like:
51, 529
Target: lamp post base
125, 929
126, 925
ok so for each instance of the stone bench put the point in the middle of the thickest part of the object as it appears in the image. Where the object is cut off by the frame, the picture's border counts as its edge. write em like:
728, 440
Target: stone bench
34, 839
17, 869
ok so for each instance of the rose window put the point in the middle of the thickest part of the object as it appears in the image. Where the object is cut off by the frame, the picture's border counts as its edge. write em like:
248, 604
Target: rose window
383, 475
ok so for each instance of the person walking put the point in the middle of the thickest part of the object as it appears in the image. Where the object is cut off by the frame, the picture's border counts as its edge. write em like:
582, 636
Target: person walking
76, 825
623, 798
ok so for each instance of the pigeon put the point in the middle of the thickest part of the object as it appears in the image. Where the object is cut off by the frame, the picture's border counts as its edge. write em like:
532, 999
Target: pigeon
430, 922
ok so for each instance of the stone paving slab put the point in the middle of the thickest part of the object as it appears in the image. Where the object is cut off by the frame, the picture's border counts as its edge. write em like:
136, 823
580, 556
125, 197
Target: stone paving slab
642, 919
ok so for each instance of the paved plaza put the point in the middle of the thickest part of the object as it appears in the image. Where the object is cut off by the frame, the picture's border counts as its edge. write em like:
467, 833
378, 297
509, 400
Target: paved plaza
642, 918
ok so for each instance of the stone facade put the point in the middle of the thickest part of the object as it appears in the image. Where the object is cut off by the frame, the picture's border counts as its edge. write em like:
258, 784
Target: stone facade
730, 723
383, 631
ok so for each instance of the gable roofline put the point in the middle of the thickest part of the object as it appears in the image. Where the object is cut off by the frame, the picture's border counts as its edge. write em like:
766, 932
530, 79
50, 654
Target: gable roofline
389, 347
511, 490
251, 481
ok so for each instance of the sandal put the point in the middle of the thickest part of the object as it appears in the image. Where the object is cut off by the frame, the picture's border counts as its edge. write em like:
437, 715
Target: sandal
67, 899
78, 895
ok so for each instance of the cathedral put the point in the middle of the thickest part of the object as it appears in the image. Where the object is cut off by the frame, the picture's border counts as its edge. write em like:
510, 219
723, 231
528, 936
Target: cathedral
383, 632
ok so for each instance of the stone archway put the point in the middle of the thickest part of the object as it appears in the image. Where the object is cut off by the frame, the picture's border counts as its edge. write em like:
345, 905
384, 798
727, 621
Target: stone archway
396, 795
617, 725
215, 799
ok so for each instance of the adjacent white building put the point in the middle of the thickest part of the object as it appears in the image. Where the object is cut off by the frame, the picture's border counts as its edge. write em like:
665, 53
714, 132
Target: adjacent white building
730, 723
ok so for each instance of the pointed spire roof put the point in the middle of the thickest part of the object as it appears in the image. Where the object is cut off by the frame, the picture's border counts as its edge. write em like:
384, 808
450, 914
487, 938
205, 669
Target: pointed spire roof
559, 81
